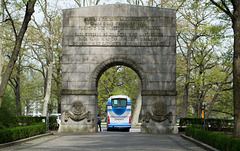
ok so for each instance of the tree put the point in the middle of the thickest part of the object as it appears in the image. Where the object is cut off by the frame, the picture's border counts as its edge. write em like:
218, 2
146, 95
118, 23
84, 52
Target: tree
15, 82
32, 90
192, 25
232, 9
84, 3
224, 103
211, 77
46, 45
198, 36
163, 3
106, 85
57, 70
19, 35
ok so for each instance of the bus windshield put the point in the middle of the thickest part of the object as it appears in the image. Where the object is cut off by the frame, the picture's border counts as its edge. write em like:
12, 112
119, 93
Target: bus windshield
119, 102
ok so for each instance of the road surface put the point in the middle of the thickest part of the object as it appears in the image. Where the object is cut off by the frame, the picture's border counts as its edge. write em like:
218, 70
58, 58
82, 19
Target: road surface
107, 141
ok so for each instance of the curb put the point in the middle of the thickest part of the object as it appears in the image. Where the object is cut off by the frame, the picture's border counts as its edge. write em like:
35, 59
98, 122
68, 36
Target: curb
203, 145
23, 140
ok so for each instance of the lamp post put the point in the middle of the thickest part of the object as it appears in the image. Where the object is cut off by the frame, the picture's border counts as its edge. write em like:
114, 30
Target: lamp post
47, 120
203, 114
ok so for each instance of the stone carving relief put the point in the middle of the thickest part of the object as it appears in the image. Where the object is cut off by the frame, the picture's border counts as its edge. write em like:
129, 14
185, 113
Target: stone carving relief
76, 112
159, 113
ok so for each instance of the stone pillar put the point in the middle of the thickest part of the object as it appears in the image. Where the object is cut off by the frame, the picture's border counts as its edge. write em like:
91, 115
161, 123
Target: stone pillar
79, 114
159, 112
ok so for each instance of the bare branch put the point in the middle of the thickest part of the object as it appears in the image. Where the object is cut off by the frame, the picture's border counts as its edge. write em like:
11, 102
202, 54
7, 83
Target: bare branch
10, 18
227, 11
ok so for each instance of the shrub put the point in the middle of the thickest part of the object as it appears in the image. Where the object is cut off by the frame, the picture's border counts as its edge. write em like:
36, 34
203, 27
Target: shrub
12, 134
217, 140
26, 120
16, 121
53, 125
214, 124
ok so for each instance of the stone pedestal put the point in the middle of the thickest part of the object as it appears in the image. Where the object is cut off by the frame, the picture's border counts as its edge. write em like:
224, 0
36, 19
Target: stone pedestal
79, 114
159, 112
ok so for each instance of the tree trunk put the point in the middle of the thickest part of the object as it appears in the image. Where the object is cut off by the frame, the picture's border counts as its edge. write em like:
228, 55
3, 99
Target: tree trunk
59, 97
236, 67
212, 104
16, 49
185, 101
1, 60
137, 110
186, 89
48, 89
1, 44
59, 105
18, 99
185, 97
28, 108
58, 81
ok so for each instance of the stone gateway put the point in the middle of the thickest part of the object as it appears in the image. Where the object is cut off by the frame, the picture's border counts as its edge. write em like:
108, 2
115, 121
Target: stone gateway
97, 38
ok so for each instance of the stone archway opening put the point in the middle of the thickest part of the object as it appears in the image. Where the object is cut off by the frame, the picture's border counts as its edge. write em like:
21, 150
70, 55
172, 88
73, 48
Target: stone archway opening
117, 61
120, 80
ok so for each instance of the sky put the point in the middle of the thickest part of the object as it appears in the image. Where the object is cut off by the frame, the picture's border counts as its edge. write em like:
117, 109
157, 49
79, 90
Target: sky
71, 4
66, 4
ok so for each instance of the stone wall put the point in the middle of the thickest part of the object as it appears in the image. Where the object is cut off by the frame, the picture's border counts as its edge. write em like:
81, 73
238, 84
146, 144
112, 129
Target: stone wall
97, 38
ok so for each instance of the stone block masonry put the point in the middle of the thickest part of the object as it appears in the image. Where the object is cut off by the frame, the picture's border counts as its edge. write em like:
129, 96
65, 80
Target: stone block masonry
97, 38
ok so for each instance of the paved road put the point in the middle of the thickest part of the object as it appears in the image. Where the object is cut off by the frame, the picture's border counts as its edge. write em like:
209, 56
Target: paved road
107, 141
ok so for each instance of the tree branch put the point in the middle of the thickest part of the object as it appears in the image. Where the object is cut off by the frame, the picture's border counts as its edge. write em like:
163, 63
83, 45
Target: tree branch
227, 11
222, 112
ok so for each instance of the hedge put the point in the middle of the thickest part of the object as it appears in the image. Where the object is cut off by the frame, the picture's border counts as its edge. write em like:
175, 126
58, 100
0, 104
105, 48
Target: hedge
211, 124
214, 139
13, 134
27, 121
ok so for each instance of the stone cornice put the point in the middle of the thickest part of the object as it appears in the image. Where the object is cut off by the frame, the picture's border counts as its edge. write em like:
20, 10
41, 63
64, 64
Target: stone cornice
78, 92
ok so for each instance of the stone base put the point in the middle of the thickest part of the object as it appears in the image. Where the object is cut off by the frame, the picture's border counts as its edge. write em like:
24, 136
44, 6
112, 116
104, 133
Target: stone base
76, 129
160, 130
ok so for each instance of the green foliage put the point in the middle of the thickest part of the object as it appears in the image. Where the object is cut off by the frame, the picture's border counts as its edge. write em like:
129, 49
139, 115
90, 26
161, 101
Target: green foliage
217, 140
8, 110
53, 125
25, 120
12, 134
190, 121
31, 89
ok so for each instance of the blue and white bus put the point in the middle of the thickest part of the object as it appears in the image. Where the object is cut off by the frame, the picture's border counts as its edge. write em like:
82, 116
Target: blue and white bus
119, 113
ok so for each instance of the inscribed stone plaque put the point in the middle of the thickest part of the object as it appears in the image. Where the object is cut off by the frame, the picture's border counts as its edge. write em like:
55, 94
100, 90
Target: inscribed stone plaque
120, 31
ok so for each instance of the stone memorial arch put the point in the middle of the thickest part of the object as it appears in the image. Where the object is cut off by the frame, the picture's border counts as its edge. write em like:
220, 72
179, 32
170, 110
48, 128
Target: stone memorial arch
97, 38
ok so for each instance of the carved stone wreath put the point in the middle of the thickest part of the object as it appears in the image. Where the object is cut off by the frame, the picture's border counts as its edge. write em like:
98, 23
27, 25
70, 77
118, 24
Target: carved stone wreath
159, 108
159, 113
76, 112
78, 108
